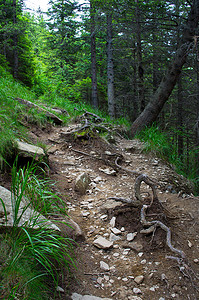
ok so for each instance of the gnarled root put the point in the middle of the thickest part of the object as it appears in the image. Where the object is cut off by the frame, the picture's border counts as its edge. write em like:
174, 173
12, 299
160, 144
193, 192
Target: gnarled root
164, 227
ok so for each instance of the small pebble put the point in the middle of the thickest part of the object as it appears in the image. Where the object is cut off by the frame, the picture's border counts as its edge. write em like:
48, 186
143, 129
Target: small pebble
137, 291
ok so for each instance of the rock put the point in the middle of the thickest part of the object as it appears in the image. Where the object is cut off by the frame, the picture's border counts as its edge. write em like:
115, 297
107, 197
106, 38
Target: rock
28, 150
99, 280
114, 237
134, 298
60, 290
108, 171
85, 214
103, 243
30, 217
82, 183
104, 266
74, 229
110, 204
137, 291
112, 222
130, 236
135, 246
116, 231
76, 296
139, 279
97, 179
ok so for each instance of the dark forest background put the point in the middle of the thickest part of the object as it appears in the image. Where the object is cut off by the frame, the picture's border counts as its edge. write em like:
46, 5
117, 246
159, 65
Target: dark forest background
119, 57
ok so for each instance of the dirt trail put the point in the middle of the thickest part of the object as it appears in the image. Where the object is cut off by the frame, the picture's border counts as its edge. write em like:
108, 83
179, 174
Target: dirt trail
138, 269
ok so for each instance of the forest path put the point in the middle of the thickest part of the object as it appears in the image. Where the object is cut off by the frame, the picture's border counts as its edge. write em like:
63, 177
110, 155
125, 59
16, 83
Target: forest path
131, 269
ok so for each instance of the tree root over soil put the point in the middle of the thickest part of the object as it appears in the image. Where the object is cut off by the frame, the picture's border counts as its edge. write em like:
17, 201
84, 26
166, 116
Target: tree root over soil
182, 262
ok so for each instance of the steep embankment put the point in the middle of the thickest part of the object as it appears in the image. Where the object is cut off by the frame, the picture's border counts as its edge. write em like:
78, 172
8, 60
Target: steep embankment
133, 265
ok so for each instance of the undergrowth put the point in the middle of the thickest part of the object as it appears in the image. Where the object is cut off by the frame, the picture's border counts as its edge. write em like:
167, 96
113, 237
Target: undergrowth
162, 145
32, 252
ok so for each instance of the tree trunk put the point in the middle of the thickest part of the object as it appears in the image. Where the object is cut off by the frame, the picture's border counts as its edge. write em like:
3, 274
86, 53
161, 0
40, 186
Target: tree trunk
15, 41
94, 96
139, 59
110, 71
167, 84
180, 139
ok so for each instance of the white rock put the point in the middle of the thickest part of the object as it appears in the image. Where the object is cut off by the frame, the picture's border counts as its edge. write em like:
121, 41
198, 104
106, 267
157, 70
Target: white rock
114, 237
112, 222
99, 280
143, 262
85, 214
103, 243
116, 231
108, 171
137, 291
189, 244
116, 254
130, 236
139, 279
124, 279
59, 289
104, 266
97, 179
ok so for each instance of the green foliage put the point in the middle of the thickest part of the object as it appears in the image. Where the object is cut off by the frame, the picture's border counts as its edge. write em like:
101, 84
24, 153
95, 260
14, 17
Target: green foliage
31, 256
158, 143
162, 145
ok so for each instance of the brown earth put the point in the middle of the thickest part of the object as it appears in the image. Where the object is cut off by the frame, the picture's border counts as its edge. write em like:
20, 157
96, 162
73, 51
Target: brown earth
163, 277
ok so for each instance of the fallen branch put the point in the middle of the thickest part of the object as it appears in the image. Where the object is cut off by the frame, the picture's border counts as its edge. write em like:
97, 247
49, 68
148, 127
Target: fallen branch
48, 114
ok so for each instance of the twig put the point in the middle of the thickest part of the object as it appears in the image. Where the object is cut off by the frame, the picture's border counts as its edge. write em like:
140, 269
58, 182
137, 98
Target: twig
84, 153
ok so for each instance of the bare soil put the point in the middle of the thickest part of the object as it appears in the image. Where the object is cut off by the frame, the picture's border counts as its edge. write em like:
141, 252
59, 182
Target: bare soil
163, 279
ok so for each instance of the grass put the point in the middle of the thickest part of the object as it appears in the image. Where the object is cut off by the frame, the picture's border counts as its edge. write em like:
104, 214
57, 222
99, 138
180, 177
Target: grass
31, 258
163, 146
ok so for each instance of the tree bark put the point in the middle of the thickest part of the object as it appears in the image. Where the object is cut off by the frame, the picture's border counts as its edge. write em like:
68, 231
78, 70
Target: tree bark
15, 41
139, 59
94, 96
154, 107
110, 70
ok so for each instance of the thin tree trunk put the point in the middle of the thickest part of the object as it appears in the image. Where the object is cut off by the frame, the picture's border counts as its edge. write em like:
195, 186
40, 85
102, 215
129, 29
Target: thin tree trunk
197, 121
110, 70
167, 84
94, 95
15, 41
139, 58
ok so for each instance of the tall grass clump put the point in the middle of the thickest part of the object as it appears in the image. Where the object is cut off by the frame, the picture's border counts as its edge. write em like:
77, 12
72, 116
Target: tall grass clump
162, 145
158, 143
32, 253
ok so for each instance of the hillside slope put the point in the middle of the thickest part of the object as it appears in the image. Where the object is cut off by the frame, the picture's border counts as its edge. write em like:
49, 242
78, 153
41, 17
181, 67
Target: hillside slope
135, 267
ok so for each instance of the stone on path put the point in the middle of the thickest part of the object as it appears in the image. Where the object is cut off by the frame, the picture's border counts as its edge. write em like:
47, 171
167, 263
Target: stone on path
116, 231
104, 266
76, 296
82, 182
28, 150
139, 279
103, 243
131, 236
137, 246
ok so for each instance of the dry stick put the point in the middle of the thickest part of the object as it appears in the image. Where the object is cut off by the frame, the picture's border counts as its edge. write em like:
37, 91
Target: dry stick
84, 153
